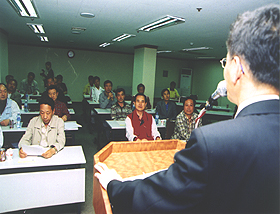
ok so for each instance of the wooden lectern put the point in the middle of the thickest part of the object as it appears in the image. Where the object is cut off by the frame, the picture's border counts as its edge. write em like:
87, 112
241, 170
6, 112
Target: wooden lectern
131, 159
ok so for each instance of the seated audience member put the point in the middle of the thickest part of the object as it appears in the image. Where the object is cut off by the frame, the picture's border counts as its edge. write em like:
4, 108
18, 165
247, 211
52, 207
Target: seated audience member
173, 91
8, 108
9, 76
166, 109
139, 124
29, 85
120, 109
97, 89
185, 121
49, 71
88, 86
48, 82
141, 90
46, 130
61, 85
60, 108
12, 91
107, 98
230, 166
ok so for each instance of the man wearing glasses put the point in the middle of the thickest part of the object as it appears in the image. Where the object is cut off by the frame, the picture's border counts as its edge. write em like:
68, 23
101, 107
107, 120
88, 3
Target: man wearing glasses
139, 124
231, 166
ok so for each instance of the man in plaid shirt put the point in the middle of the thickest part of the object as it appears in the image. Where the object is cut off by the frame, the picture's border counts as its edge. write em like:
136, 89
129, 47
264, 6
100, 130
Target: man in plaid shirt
60, 108
185, 121
120, 109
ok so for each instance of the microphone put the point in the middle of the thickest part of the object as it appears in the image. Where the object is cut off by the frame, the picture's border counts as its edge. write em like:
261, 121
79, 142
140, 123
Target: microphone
221, 91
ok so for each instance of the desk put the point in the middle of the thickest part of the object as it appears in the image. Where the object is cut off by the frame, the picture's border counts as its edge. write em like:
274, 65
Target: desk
13, 136
214, 108
35, 182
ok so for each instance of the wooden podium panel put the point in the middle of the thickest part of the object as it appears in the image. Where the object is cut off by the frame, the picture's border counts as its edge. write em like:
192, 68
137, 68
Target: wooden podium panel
131, 159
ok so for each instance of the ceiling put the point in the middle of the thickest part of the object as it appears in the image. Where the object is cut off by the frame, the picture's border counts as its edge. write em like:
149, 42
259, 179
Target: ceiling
207, 28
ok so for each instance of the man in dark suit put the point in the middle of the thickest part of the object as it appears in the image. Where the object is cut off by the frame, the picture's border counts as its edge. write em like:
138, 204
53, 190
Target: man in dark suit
231, 166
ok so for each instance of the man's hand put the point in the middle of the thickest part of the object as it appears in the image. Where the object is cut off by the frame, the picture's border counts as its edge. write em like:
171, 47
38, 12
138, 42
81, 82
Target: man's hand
5, 122
105, 175
22, 154
64, 118
110, 96
157, 138
49, 153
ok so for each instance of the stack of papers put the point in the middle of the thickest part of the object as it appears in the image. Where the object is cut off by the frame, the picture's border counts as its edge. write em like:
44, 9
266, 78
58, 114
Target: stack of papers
71, 125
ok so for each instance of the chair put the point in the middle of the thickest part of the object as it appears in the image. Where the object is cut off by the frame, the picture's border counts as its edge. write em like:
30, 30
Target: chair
170, 125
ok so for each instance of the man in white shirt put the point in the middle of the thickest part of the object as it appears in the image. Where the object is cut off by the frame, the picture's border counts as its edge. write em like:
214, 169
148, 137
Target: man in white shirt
96, 90
8, 108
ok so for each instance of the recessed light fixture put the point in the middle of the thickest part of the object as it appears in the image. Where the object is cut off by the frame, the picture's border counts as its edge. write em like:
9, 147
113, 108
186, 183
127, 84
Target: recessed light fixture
164, 22
24, 8
36, 28
87, 15
197, 49
76, 32
43, 38
122, 37
105, 44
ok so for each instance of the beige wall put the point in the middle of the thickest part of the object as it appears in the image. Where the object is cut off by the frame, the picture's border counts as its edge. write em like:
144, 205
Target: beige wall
116, 67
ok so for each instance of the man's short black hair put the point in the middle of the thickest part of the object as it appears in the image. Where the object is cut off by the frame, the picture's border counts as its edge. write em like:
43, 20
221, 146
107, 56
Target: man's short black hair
173, 83
52, 87
140, 94
59, 77
164, 90
96, 78
255, 38
189, 98
48, 63
139, 86
9, 76
108, 81
90, 78
120, 90
31, 74
47, 101
10, 80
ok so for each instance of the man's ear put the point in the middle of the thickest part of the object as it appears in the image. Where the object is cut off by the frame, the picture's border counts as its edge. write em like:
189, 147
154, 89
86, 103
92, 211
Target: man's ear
236, 71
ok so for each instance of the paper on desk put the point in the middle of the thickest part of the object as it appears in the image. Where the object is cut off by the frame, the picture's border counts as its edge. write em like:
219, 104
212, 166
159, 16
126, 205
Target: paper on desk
34, 149
121, 123
71, 125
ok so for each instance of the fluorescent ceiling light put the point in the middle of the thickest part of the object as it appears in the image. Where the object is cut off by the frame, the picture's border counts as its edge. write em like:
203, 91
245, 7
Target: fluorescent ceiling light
105, 44
206, 57
122, 37
78, 28
164, 22
87, 15
196, 49
164, 52
43, 38
24, 8
36, 28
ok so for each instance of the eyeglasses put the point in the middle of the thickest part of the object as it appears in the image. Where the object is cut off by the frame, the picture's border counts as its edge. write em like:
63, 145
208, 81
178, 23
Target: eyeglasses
223, 62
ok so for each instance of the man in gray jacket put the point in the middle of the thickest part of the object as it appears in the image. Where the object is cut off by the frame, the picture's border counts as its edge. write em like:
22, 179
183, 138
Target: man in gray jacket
46, 130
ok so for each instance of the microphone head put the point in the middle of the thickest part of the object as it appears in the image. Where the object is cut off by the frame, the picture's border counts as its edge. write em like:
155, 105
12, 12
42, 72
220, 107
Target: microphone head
222, 88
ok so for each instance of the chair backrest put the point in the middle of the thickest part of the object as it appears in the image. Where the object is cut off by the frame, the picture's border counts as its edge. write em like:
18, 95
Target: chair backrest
170, 125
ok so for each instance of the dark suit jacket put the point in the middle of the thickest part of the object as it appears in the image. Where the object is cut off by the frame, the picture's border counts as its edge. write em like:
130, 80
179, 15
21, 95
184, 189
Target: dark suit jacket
161, 109
227, 167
